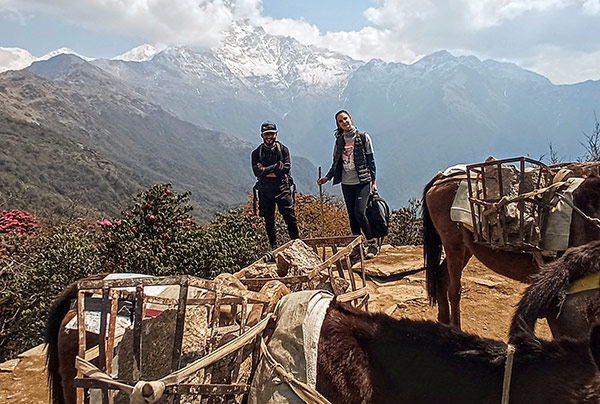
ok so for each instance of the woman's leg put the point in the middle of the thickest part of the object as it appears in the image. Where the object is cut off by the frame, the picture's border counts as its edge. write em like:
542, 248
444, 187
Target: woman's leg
349, 192
360, 208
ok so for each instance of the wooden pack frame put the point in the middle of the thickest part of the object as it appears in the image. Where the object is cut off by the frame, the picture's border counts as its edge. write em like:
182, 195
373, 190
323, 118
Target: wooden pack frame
335, 253
532, 207
215, 296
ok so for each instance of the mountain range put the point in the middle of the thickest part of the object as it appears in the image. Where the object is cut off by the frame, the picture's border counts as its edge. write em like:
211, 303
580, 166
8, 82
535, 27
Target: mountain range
176, 114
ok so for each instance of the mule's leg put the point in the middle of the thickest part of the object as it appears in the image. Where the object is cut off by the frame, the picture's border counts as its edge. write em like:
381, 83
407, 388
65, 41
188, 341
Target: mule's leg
456, 263
68, 348
442, 294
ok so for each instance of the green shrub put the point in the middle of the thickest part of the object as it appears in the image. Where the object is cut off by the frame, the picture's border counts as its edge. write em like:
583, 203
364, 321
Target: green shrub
156, 235
232, 241
34, 275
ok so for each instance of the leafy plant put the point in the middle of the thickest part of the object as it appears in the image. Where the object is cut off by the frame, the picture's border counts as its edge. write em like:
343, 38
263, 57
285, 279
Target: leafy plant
34, 275
406, 225
156, 235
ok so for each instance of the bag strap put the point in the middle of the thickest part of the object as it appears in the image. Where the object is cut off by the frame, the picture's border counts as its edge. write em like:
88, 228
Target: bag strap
261, 152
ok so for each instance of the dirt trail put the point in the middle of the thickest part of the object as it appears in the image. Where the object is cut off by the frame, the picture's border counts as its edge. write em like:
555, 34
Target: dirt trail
487, 304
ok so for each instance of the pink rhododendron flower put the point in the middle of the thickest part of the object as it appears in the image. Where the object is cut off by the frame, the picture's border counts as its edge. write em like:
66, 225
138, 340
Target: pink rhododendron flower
189, 220
151, 217
162, 250
179, 222
166, 235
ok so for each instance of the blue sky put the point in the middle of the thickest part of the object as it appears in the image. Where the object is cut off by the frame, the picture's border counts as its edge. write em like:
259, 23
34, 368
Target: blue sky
328, 15
556, 38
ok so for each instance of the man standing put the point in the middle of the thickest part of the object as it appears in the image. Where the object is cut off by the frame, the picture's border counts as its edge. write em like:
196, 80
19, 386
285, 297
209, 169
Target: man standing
271, 165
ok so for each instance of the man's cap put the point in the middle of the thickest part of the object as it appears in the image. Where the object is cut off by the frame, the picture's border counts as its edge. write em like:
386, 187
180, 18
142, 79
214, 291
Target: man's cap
268, 126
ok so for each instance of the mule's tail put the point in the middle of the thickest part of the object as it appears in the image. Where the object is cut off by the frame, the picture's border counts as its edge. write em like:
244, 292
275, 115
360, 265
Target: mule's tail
432, 248
58, 311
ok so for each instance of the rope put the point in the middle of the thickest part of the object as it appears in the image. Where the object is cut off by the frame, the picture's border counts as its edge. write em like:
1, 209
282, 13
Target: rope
593, 220
505, 200
508, 365
150, 392
305, 392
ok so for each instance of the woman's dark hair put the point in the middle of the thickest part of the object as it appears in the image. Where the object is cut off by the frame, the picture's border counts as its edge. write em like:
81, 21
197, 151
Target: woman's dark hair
339, 130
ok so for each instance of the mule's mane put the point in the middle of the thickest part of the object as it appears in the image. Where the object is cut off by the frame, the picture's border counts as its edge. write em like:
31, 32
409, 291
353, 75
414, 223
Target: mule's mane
548, 289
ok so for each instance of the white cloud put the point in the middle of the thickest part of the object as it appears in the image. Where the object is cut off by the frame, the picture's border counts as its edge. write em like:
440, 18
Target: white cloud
591, 7
306, 33
186, 22
487, 13
554, 37
564, 66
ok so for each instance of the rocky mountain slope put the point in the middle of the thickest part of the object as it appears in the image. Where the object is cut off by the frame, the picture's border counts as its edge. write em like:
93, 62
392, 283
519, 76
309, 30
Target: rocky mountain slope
423, 117
74, 103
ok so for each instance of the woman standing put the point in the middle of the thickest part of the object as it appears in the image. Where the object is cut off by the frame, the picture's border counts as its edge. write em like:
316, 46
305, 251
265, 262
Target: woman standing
354, 167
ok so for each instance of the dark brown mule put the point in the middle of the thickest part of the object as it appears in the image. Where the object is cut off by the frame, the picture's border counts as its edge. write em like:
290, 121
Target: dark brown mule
569, 314
63, 346
374, 359
443, 280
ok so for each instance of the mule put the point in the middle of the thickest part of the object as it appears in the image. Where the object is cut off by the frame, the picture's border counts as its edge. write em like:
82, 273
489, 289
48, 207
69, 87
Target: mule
366, 358
63, 343
566, 292
443, 279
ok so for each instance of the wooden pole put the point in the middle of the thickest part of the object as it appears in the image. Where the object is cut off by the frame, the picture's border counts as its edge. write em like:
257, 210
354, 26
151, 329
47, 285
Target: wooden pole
321, 205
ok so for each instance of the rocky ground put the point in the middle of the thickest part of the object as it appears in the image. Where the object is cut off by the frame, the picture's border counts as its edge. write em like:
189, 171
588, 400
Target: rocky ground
396, 286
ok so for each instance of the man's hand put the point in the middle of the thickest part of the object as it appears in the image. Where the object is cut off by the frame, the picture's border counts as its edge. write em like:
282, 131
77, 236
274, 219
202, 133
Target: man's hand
259, 165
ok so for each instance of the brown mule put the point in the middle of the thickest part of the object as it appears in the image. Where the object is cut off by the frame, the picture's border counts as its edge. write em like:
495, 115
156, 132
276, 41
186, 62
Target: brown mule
443, 279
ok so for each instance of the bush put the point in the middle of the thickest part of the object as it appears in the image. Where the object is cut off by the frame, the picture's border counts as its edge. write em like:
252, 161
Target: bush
406, 225
326, 219
232, 241
17, 222
34, 275
156, 235
330, 219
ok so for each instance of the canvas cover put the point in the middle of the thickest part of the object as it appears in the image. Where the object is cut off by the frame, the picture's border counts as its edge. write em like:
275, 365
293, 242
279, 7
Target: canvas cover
294, 345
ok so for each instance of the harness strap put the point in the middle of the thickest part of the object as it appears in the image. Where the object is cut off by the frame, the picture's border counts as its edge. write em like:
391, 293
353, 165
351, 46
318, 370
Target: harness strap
588, 282
593, 220
508, 365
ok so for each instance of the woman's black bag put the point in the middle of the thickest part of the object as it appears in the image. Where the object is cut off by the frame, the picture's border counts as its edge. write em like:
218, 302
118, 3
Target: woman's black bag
378, 214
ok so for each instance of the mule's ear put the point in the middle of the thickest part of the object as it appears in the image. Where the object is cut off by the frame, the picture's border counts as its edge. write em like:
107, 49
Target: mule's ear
595, 344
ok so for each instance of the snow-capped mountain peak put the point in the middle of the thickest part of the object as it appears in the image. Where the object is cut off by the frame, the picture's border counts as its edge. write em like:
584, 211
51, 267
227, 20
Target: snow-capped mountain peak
62, 51
14, 59
249, 52
139, 54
